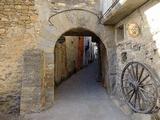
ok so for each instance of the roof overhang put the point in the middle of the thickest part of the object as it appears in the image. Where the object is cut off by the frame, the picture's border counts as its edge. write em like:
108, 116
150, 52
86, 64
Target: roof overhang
122, 9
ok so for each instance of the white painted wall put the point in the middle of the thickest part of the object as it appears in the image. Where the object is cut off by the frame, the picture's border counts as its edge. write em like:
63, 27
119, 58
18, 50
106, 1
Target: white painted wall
105, 4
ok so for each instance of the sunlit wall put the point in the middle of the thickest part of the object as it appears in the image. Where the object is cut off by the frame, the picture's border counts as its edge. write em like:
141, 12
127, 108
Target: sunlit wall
153, 18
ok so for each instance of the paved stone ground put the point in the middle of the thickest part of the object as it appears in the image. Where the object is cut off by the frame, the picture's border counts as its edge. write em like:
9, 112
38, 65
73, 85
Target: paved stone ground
81, 97
11, 117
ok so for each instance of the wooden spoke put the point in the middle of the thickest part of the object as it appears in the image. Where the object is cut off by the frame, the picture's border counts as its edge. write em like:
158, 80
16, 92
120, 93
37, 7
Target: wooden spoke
144, 79
147, 92
126, 87
145, 97
141, 74
131, 96
130, 73
139, 101
134, 75
135, 99
130, 92
137, 76
145, 85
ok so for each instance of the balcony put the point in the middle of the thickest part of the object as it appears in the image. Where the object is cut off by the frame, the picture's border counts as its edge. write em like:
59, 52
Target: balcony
115, 10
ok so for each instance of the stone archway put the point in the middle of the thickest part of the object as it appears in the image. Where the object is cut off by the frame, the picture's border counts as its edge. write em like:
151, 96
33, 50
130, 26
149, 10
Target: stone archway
38, 84
61, 42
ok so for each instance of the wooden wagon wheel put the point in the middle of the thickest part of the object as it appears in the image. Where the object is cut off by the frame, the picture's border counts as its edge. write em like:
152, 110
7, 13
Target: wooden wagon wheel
139, 87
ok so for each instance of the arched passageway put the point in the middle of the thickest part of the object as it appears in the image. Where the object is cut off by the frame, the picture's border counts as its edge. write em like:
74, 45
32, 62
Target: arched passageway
80, 93
38, 85
76, 49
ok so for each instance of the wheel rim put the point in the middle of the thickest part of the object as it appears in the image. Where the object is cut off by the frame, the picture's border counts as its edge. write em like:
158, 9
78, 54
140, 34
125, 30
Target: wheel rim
138, 87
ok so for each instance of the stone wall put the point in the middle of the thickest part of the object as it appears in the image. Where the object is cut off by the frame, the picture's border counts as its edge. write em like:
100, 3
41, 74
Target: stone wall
72, 53
32, 82
65, 58
144, 47
50, 33
60, 72
28, 26
59, 5
17, 33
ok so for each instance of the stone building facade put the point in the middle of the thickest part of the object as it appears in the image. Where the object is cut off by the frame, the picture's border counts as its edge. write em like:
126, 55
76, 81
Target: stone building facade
142, 47
17, 33
29, 30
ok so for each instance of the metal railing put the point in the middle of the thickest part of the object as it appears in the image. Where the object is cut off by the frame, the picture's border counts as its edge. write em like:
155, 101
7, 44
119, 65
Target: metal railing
111, 7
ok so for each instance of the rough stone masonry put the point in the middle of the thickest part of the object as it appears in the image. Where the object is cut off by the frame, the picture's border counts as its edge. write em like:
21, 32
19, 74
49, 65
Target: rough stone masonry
17, 19
28, 34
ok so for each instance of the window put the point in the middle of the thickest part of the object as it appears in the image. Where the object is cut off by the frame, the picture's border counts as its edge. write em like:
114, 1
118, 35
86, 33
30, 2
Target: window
120, 33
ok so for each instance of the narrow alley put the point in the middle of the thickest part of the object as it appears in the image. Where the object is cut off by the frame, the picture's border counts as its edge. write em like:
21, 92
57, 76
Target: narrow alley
81, 97
79, 60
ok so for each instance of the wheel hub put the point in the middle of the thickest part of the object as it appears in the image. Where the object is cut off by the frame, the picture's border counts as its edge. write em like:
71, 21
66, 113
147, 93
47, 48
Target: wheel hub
134, 85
